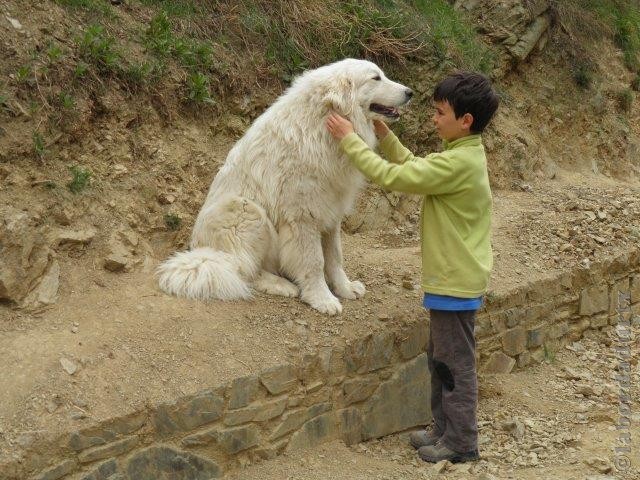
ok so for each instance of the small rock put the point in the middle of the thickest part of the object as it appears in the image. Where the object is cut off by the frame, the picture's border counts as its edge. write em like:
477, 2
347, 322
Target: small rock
586, 390
77, 414
441, 466
116, 262
51, 406
119, 169
69, 366
565, 247
14, 23
514, 427
25, 440
166, 198
600, 464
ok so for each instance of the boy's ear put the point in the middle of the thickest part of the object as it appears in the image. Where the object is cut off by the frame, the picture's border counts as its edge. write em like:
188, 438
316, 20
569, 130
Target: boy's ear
467, 121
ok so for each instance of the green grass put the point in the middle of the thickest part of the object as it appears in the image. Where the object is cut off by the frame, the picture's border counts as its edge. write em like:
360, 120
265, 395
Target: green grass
549, 353
54, 53
23, 74
453, 37
39, 146
583, 76
80, 70
141, 74
159, 37
66, 100
390, 32
192, 54
80, 179
98, 48
174, 8
96, 6
624, 18
625, 99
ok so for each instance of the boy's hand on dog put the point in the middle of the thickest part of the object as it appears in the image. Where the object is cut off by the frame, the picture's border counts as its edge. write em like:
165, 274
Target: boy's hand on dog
381, 129
338, 126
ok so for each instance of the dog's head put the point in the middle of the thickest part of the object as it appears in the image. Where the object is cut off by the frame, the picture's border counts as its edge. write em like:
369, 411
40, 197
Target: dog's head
353, 85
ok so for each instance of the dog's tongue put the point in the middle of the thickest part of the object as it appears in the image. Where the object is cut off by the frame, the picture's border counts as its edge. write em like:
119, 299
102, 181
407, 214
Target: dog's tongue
383, 110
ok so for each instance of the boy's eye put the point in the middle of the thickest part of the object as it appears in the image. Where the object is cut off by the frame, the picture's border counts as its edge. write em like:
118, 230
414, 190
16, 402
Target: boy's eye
377, 77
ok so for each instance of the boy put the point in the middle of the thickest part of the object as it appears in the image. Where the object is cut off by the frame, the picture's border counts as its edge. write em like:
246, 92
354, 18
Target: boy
456, 247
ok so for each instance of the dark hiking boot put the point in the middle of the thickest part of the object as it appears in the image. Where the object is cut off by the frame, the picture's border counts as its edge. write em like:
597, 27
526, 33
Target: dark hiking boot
423, 438
438, 452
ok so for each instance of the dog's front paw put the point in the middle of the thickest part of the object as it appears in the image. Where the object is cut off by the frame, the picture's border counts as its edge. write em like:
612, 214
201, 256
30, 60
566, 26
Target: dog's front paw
351, 290
329, 305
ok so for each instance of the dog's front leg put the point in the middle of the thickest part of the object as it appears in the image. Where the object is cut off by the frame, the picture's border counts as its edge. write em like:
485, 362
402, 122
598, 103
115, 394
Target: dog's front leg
301, 260
338, 280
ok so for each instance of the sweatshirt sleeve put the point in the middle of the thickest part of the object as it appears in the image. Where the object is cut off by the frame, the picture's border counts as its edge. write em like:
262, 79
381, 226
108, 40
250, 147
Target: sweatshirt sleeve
393, 150
432, 175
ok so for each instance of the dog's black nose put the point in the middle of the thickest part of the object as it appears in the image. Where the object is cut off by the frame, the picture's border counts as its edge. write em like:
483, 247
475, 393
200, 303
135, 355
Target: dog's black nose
408, 93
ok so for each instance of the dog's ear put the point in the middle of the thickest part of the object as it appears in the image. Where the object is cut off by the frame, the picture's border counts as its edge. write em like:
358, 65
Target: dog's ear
341, 96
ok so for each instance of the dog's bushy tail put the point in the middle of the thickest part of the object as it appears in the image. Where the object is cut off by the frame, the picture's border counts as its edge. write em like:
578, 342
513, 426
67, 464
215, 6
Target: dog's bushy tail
203, 274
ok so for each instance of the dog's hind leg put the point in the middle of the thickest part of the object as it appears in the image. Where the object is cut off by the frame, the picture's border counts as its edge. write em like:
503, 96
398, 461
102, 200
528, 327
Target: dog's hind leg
239, 227
338, 280
267, 282
301, 260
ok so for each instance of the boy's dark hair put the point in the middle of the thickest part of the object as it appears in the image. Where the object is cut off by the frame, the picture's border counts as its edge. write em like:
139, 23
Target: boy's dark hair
469, 92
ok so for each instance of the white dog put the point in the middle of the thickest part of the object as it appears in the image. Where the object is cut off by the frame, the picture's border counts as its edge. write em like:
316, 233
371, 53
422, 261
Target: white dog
271, 219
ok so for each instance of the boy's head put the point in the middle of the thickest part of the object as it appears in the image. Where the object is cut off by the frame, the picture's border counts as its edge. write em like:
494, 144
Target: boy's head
465, 103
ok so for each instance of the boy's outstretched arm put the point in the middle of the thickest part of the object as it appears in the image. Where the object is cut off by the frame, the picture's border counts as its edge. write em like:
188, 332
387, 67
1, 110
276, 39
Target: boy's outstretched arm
432, 175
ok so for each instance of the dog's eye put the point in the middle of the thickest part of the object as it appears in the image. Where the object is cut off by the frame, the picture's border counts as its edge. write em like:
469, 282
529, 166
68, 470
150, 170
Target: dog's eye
377, 78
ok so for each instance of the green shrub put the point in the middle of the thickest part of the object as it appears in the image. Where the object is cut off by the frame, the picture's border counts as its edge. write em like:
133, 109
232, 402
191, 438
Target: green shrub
625, 99
80, 179
159, 38
172, 221
80, 70
23, 74
198, 88
54, 52
97, 47
142, 73
66, 100
583, 76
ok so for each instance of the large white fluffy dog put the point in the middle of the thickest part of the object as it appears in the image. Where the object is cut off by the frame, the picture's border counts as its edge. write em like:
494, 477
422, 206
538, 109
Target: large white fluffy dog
271, 219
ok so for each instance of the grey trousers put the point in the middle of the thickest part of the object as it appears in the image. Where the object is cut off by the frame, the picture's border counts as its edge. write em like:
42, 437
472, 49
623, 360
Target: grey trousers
454, 384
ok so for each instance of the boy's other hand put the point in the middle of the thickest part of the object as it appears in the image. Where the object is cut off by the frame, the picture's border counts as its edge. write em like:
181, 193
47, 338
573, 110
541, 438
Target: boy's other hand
381, 129
338, 126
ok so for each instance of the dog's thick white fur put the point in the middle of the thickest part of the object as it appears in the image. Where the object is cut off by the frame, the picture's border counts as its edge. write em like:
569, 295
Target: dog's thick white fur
271, 219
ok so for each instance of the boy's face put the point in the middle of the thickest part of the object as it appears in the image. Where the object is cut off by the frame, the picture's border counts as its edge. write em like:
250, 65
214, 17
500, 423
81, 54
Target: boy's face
449, 127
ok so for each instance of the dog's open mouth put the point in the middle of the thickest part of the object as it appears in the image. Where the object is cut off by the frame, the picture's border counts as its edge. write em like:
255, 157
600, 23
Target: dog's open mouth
390, 112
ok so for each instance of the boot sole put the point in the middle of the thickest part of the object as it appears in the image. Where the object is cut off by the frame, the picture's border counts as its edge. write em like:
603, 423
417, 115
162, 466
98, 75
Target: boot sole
457, 458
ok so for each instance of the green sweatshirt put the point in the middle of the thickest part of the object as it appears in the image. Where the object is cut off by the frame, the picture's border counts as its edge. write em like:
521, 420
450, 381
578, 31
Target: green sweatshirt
456, 210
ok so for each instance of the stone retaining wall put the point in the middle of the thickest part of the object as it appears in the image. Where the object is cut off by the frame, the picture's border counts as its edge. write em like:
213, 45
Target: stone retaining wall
366, 389
529, 323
